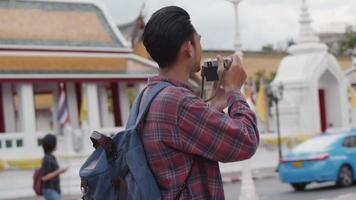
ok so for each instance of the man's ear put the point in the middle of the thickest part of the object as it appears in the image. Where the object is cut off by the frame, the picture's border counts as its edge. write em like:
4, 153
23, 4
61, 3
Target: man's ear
190, 49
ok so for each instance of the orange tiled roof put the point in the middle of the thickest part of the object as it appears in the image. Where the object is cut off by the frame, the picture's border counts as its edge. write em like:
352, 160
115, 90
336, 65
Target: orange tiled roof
57, 64
54, 23
19, 24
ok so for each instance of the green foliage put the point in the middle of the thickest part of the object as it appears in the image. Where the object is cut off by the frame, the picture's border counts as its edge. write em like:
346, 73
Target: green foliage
261, 75
268, 48
266, 78
349, 42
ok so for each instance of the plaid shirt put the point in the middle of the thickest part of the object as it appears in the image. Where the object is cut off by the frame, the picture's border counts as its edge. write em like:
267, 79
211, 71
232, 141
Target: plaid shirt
182, 133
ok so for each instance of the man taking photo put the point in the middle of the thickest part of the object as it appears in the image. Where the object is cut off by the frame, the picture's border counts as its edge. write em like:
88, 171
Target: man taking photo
184, 137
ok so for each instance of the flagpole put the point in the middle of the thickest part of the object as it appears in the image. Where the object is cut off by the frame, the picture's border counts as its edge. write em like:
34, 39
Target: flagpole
65, 128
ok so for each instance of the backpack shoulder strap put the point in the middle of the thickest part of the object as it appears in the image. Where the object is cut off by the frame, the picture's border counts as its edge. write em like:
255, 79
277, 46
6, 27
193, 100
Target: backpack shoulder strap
134, 110
137, 113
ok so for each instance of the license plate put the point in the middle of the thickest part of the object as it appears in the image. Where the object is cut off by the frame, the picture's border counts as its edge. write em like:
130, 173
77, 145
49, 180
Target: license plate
297, 164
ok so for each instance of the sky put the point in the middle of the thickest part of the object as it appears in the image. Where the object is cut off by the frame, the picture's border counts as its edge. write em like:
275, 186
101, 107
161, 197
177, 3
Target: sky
261, 22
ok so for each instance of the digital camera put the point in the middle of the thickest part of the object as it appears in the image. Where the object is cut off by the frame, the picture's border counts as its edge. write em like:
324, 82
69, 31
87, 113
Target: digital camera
210, 68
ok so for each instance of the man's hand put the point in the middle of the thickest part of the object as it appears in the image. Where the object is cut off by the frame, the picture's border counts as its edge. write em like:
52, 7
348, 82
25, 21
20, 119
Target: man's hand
219, 102
235, 77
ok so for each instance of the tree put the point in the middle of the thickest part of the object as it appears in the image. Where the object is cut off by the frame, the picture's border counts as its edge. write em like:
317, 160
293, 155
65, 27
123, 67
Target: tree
290, 42
349, 43
268, 78
267, 48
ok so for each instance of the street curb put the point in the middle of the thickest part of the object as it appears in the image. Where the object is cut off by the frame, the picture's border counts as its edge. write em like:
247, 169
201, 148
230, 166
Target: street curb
22, 164
25, 164
235, 179
232, 179
235, 176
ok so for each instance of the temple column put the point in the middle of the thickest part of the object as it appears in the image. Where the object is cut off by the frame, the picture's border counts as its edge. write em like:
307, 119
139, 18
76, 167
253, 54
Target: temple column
93, 106
72, 106
55, 123
8, 106
104, 107
124, 102
93, 119
27, 116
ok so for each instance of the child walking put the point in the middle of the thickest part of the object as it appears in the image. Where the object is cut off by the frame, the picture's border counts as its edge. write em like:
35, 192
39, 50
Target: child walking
50, 169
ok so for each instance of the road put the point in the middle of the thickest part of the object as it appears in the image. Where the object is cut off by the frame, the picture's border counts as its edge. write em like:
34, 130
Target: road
273, 189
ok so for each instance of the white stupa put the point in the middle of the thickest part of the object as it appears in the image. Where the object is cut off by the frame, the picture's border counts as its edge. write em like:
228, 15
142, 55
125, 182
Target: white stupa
315, 89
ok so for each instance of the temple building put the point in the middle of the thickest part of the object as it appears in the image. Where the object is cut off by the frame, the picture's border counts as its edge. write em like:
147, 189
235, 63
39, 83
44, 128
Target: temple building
315, 95
49, 46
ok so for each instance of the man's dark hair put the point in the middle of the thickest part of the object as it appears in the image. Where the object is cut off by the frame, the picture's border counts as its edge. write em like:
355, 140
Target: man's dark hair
49, 143
165, 32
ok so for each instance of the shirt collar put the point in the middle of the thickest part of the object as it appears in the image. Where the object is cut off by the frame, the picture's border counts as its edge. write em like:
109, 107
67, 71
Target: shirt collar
156, 79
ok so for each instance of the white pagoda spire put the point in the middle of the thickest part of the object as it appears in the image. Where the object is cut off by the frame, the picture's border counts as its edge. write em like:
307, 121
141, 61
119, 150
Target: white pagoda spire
307, 41
306, 32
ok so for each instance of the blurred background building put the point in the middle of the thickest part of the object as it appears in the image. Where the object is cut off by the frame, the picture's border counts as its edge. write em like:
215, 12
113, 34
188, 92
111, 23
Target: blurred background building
63, 64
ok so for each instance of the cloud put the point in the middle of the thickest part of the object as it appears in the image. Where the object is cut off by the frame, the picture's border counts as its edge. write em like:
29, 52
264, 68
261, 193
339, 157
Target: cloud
259, 25
123, 10
261, 21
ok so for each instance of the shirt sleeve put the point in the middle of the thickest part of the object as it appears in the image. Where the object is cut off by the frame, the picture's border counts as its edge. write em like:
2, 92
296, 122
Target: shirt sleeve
206, 132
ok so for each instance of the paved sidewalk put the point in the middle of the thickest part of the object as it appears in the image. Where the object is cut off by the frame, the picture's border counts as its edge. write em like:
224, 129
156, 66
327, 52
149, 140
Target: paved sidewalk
17, 184
64, 197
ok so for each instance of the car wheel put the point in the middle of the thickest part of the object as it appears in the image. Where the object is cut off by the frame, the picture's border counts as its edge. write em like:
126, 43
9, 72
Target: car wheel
345, 177
299, 186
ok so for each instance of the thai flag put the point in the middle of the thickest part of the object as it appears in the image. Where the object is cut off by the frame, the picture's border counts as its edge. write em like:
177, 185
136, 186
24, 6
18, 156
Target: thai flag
63, 116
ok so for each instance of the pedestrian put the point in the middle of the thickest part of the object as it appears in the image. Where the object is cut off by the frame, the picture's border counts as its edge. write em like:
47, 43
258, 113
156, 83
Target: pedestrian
184, 138
50, 170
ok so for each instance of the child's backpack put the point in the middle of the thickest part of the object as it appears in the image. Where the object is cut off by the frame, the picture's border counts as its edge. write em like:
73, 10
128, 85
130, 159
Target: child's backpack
37, 182
118, 169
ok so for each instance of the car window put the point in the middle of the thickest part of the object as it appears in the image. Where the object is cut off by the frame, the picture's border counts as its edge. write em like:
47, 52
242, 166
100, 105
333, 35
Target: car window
316, 144
354, 142
350, 142
347, 142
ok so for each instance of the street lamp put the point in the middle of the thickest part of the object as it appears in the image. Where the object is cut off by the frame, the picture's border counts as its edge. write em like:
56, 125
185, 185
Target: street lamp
276, 94
237, 39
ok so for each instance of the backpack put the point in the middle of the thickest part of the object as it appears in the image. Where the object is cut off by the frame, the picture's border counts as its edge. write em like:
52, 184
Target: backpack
37, 182
118, 169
